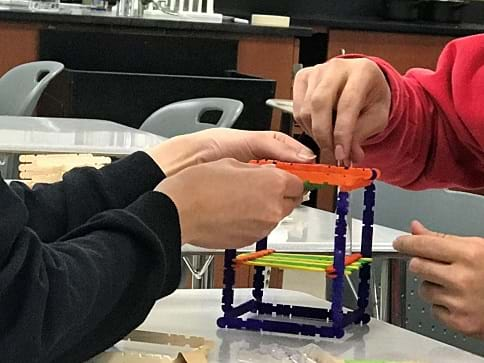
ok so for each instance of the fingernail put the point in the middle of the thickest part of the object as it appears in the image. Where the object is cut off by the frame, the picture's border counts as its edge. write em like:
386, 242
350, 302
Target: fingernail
397, 244
306, 154
339, 152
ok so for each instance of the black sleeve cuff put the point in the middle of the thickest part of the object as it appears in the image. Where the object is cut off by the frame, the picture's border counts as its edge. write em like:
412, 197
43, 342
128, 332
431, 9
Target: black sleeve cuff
159, 213
132, 176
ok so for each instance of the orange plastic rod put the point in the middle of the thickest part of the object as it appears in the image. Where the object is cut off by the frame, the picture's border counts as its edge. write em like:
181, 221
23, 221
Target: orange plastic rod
253, 255
348, 261
347, 179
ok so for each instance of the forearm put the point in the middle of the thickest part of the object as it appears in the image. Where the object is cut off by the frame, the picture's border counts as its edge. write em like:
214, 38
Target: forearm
435, 136
73, 298
402, 150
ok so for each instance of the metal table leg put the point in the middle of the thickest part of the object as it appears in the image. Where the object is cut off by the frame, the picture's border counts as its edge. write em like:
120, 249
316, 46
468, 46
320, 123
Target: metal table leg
9, 166
201, 268
385, 288
286, 123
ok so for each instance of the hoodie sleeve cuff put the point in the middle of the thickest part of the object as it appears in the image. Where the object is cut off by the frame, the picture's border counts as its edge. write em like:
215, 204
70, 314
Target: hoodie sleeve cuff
132, 176
159, 213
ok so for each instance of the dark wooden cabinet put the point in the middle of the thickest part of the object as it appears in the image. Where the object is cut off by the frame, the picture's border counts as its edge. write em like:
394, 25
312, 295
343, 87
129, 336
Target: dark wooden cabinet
18, 44
273, 59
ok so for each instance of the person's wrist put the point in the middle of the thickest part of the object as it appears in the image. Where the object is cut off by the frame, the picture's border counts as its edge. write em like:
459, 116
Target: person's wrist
175, 190
179, 153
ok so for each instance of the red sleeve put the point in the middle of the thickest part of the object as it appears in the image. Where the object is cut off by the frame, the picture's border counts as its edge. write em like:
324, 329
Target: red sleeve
435, 136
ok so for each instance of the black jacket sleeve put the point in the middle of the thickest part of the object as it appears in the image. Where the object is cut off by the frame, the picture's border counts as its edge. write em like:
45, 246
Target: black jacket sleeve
55, 209
72, 298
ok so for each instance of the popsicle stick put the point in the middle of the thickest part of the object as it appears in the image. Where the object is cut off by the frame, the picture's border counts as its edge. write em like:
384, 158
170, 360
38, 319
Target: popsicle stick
324, 267
263, 256
311, 256
291, 267
295, 266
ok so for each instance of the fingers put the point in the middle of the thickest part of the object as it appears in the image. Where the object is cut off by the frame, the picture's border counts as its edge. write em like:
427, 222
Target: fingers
293, 195
299, 93
418, 228
436, 295
428, 270
279, 146
370, 122
354, 88
284, 184
430, 247
288, 205
322, 102
357, 153
466, 322
316, 92
294, 187
349, 108
442, 313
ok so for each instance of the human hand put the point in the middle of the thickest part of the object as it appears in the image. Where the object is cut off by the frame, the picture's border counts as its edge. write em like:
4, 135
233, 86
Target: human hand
248, 145
356, 91
452, 272
229, 204
181, 152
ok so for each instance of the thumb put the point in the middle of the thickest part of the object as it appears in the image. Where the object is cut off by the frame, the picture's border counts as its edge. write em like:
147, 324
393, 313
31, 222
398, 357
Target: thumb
279, 146
418, 228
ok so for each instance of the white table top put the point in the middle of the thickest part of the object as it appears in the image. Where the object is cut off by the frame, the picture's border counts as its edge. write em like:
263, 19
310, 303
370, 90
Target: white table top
310, 230
66, 135
194, 312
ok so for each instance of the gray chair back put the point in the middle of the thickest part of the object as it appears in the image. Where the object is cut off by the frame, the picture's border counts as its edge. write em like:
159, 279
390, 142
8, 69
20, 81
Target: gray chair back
184, 117
22, 86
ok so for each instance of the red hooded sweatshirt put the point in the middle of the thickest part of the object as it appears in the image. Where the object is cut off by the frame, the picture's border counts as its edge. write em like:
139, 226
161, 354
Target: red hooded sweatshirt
435, 136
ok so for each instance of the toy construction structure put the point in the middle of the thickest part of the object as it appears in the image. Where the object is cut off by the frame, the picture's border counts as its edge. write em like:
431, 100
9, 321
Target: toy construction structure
316, 321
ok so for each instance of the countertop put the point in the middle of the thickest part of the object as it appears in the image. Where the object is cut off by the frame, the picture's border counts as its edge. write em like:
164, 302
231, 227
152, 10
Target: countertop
106, 21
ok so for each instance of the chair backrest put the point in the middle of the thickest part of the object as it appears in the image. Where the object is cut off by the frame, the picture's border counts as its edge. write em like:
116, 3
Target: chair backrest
22, 86
184, 117
441, 210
